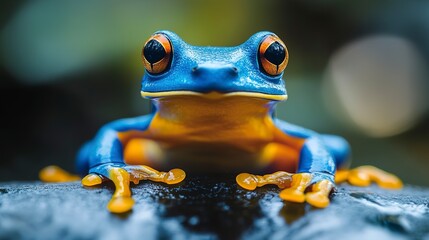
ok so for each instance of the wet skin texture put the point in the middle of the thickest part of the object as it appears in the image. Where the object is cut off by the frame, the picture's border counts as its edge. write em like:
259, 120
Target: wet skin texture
213, 113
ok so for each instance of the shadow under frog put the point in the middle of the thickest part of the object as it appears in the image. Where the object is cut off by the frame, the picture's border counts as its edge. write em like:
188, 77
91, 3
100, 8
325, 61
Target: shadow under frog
212, 205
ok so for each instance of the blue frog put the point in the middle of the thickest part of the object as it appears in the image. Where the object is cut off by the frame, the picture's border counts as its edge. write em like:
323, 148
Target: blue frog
213, 111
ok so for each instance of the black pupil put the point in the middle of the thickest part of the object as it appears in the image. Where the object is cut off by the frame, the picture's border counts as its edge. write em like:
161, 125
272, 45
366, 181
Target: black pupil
154, 51
275, 53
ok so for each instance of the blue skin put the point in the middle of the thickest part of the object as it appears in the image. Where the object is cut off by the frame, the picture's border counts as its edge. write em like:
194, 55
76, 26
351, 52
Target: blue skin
320, 154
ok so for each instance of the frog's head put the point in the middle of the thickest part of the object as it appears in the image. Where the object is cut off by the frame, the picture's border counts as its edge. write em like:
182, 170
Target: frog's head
252, 69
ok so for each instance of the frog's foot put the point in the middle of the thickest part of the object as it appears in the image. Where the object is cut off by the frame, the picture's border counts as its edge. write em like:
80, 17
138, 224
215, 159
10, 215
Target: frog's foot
121, 175
56, 174
251, 182
365, 175
294, 186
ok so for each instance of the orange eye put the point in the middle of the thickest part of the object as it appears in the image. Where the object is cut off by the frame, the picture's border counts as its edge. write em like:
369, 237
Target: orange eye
273, 55
156, 54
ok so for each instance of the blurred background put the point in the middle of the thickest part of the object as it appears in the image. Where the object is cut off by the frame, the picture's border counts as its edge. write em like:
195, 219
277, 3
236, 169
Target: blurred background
357, 69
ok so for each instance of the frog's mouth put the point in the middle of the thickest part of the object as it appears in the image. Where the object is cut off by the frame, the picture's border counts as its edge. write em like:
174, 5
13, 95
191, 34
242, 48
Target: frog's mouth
213, 95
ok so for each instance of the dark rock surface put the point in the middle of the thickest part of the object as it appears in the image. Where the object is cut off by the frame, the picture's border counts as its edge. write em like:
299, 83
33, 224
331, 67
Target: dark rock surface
208, 208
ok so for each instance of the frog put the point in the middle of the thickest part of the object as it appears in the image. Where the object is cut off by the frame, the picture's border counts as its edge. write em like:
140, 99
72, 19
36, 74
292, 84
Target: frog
213, 111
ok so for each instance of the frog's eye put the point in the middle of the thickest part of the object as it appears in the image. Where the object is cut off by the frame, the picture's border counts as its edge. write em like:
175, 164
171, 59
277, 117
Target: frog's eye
156, 54
273, 55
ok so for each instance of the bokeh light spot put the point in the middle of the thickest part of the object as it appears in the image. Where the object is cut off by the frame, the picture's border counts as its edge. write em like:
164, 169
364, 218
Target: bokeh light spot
378, 82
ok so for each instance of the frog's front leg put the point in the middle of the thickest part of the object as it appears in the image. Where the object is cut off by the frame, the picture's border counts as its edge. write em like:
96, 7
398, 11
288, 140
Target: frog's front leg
313, 181
106, 162
316, 168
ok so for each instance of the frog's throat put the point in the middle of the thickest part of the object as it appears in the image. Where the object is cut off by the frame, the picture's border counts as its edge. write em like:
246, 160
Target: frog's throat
213, 95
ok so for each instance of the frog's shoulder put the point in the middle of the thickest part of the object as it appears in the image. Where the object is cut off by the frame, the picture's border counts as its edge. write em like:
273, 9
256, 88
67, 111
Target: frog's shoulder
293, 130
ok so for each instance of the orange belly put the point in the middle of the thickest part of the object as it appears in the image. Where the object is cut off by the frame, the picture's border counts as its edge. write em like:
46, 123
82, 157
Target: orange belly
234, 134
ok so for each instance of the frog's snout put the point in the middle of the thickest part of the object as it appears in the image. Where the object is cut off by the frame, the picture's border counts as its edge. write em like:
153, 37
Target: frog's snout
215, 76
